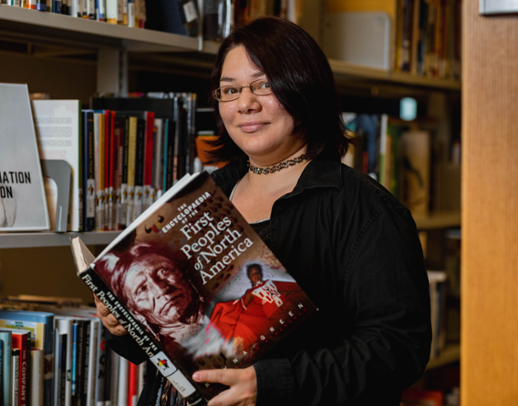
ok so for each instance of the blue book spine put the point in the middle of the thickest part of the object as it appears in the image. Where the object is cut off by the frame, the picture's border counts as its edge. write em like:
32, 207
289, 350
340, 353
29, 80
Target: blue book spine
74, 357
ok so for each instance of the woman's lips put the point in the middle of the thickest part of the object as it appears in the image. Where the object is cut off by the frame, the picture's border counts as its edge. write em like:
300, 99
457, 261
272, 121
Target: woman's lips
251, 126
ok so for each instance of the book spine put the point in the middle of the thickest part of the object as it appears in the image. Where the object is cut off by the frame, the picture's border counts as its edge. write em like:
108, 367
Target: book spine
37, 375
113, 390
139, 169
124, 177
89, 172
148, 161
132, 151
132, 384
107, 169
166, 367
100, 375
123, 383
85, 366
99, 120
15, 373
118, 178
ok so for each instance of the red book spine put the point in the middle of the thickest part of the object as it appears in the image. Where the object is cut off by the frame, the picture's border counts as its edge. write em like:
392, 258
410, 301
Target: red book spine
107, 168
21, 341
132, 384
148, 158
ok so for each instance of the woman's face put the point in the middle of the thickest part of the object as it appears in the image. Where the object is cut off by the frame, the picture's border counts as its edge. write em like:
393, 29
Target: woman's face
259, 125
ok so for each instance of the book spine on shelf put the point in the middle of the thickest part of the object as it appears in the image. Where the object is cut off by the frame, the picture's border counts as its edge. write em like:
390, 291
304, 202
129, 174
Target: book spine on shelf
171, 370
88, 171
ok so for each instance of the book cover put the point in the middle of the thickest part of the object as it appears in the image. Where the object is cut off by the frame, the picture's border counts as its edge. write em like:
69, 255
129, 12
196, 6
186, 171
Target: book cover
58, 124
223, 298
23, 204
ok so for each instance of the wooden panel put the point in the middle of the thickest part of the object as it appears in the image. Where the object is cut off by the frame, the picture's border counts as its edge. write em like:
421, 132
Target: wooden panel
489, 352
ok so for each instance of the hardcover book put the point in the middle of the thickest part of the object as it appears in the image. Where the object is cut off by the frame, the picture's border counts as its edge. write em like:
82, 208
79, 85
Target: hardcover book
195, 286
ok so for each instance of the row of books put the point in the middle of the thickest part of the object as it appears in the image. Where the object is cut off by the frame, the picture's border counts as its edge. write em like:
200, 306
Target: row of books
123, 152
183, 17
428, 39
131, 13
57, 356
395, 153
248, 10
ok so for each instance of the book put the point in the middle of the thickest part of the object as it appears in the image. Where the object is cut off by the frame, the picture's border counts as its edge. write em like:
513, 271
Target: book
37, 389
88, 173
173, 16
224, 298
21, 343
58, 128
15, 373
99, 143
416, 154
63, 361
6, 340
41, 328
23, 204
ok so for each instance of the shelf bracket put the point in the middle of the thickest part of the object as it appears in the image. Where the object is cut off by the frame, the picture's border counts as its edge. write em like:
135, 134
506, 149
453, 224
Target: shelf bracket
112, 71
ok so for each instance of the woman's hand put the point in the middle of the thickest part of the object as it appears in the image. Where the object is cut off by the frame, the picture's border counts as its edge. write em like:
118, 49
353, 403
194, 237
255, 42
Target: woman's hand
242, 382
108, 319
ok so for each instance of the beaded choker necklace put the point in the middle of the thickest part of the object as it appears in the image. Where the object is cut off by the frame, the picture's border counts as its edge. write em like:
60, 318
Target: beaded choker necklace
278, 167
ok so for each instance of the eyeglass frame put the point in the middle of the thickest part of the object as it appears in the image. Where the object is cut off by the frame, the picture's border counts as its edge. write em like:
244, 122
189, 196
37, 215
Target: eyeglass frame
215, 92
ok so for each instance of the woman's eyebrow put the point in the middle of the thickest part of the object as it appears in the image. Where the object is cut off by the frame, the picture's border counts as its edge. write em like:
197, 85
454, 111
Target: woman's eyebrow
229, 79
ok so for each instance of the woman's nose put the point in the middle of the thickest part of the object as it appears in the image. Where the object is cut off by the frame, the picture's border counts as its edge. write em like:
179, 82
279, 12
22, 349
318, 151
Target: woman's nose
247, 100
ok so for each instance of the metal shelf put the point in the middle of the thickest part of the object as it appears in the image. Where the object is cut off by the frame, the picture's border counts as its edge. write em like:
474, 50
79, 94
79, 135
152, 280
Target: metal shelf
21, 24
345, 71
62, 29
51, 239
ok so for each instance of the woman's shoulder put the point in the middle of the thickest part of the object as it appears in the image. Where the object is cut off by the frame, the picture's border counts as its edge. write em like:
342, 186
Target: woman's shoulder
227, 176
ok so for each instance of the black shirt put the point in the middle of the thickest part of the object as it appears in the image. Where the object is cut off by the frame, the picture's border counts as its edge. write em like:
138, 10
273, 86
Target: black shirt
354, 250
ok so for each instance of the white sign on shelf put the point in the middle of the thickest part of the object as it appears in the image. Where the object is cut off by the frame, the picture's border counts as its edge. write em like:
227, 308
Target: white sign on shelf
23, 205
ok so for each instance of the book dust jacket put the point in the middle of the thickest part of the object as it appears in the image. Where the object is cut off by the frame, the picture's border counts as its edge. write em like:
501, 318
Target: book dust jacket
202, 282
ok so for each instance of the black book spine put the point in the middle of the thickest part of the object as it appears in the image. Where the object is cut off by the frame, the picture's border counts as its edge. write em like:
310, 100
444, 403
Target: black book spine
171, 370
89, 172
170, 151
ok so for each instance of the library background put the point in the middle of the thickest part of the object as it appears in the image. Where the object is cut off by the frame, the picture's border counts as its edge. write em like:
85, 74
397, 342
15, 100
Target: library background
405, 69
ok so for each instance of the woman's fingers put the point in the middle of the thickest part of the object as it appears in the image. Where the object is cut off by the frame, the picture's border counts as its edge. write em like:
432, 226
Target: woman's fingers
242, 385
108, 319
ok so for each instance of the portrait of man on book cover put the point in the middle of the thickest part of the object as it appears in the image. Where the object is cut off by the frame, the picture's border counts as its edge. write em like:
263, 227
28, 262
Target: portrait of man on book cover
154, 282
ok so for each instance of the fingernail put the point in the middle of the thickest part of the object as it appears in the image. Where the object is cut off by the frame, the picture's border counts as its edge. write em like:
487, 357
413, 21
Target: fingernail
196, 376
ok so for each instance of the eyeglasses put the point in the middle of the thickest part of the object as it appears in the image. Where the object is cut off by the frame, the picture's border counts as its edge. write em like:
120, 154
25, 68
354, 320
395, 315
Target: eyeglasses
259, 87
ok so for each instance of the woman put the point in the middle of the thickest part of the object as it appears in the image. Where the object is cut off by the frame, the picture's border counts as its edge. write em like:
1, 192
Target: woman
351, 246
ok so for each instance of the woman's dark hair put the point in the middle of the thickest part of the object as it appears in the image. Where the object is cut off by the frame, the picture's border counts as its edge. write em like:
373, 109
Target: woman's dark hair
301, 79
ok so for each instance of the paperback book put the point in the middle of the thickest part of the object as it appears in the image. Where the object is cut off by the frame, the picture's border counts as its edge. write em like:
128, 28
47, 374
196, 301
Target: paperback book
195, 286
